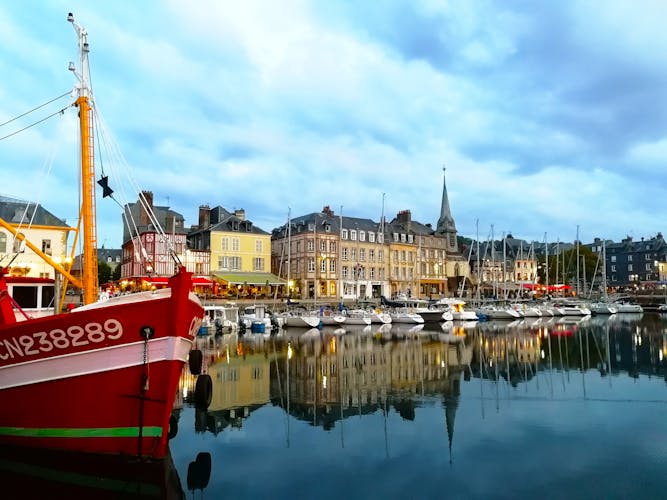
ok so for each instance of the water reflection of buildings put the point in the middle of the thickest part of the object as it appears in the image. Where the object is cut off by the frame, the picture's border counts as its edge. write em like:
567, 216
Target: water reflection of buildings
639, 347
332, 377
619, 344
512, 354
328, 377
240, 374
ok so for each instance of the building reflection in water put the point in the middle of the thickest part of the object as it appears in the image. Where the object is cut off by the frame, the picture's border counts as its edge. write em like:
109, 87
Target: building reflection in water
323, 377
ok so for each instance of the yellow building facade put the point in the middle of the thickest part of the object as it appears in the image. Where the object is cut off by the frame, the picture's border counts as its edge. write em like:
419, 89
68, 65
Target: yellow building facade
240, 252
41, 229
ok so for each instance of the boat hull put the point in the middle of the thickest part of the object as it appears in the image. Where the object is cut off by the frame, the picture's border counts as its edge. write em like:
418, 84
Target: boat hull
432, 316
99, 380
358, 320
302, 321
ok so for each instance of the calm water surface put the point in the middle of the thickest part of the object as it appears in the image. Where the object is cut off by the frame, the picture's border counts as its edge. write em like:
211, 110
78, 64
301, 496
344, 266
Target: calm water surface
528, 409
549, 409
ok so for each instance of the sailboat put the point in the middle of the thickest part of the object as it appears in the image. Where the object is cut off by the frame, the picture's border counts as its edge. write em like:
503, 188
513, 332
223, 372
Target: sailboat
603, 306
101, 378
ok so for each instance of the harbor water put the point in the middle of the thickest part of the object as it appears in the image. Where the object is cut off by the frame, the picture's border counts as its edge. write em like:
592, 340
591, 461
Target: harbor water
548, 408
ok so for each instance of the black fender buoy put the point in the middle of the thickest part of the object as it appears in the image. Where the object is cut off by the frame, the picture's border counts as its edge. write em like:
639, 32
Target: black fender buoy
173, 427
203, 391
203, 462
199, 472
195, 361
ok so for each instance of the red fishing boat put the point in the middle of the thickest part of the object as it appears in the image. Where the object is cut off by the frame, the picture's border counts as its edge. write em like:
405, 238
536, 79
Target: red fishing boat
101, 378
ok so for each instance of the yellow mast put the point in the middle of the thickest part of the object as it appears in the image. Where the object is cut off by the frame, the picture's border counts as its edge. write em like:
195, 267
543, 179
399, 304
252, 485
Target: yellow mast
88, 213
89, 268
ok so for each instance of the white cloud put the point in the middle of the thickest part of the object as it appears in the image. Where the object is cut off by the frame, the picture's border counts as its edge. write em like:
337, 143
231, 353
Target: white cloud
268, 105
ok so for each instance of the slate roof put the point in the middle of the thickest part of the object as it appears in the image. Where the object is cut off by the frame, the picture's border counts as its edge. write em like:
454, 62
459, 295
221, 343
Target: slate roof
15, 211
225, 221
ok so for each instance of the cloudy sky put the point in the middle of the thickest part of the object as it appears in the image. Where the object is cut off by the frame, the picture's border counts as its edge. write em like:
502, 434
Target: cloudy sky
547, 115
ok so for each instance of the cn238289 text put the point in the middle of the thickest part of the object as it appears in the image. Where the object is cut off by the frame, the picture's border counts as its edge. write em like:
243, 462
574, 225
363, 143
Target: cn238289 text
73, 336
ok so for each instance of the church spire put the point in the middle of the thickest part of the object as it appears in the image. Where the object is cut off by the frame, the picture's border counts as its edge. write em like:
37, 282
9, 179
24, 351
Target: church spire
446, 221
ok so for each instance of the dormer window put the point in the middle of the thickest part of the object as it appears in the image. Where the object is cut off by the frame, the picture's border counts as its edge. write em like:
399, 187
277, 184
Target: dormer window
343, 234
327, 227
353, 235
371, 237
395, 236
311, 226
362, 235
410, 240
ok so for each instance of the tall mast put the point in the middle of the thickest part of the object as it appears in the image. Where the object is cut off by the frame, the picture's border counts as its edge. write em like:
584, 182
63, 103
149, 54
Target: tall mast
382, 243
479, 283
577, 260
88, 214
339, 267
505, 294
557, 258
546, 264
289, 250
493, 265
604, 270
315, 280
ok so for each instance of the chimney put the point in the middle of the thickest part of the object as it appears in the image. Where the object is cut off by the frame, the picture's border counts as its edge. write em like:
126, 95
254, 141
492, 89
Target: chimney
240, 213
204, 216
404, 216
145, 205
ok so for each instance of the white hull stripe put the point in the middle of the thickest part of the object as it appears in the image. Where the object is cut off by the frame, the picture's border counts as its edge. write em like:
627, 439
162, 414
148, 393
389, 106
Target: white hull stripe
93, 361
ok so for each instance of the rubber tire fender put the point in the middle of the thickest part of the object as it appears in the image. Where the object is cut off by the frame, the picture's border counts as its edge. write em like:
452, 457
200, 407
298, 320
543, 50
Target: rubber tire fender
195, 361
203, 391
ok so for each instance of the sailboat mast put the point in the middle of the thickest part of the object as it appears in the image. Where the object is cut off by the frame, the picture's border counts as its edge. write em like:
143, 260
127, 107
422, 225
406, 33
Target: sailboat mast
546, 264
88, 212
289, 250
315, 280
604, 270
340, 259
577, 260
504, 267
479, 282
493, 265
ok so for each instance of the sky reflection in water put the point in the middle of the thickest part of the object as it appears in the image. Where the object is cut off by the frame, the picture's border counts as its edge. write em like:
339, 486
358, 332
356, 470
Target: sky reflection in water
556, 432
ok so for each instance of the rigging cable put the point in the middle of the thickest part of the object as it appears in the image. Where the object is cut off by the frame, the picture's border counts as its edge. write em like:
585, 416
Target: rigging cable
60, 112
34, 109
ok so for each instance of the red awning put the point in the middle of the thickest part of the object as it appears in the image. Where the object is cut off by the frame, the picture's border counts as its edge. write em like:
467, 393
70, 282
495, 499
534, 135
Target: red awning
201, 281
552, 288
164, 280
27, 280
156, 280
